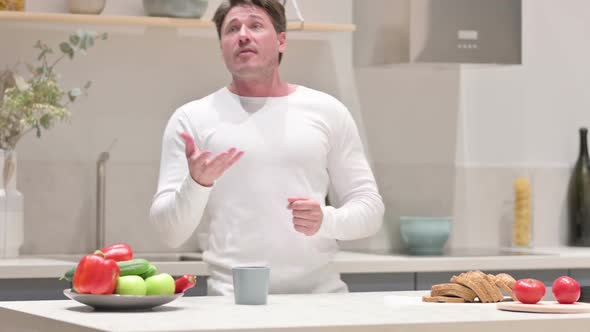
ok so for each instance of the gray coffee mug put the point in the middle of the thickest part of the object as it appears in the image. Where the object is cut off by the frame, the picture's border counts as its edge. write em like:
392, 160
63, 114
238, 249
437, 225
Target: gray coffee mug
250, 284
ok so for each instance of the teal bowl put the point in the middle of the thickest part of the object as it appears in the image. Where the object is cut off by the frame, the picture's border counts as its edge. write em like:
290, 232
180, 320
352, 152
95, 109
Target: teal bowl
425, 235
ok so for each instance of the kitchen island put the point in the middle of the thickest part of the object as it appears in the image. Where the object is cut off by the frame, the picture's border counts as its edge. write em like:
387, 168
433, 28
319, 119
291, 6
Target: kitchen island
377, 311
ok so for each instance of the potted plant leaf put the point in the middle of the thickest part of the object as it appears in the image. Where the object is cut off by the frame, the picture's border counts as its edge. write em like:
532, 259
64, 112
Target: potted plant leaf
34, 101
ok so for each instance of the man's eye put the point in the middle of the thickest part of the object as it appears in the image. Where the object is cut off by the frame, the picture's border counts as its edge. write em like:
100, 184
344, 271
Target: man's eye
232, 29
257, 26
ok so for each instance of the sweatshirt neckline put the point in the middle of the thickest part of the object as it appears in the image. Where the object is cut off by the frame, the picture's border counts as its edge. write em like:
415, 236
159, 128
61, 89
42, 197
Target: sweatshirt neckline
257, 100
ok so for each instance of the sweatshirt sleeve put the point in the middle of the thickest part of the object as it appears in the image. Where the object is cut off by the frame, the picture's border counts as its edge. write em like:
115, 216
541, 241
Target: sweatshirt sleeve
361, 209
179, 202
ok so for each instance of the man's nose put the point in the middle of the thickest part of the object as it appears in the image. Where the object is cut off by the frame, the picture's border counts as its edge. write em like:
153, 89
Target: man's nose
244, 34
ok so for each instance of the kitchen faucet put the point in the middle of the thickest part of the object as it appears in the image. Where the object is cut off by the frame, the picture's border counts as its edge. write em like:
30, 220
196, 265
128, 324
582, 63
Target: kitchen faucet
103, 157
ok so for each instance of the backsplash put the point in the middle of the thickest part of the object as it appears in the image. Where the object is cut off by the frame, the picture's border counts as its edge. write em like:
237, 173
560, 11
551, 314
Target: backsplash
413, 160
408, 190
135, 90
484, 199
60, 204
409, 113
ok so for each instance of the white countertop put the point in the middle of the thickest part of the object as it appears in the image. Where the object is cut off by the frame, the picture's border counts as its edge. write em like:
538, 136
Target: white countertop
540, 259
391, 311
347, 262
54, 266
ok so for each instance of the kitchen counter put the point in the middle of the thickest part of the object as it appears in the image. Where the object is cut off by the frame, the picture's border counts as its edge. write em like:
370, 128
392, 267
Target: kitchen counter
379, 311
52, 266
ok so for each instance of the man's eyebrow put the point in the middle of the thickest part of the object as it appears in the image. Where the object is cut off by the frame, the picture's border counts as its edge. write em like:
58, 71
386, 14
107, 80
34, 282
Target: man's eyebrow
255, 16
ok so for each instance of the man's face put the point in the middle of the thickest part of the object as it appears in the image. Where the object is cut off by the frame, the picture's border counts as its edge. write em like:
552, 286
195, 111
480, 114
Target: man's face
249, 42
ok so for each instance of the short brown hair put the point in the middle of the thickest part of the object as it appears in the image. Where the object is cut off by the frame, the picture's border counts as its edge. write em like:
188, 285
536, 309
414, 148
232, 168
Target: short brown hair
274, 9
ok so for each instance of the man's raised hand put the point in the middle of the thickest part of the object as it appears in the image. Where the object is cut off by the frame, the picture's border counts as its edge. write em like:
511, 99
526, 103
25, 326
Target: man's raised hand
204, 170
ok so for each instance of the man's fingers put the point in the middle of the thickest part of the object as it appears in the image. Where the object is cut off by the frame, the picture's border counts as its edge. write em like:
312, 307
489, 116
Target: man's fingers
224, 160
189, 144
208, 169
201, 159
304, 222
223, 163
308, 215
233, 159
303, 205
296, 198
218, 160
304, 230
301, 229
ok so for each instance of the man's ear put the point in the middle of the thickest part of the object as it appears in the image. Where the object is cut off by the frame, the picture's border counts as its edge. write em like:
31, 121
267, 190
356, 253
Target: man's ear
282, 40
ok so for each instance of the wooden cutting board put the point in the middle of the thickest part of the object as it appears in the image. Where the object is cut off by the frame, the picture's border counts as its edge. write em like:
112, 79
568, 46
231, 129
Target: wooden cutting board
546, 307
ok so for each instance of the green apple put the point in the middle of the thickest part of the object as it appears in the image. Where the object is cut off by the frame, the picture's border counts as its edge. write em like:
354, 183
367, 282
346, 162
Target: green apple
160, 284
130, 285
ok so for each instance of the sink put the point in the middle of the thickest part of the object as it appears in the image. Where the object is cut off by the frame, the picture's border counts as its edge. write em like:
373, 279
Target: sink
152, 257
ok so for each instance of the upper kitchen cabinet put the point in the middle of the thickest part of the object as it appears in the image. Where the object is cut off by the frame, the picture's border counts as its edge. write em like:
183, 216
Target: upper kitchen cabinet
438, 31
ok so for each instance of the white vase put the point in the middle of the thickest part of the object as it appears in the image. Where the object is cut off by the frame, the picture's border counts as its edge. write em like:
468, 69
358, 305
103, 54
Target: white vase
11, 207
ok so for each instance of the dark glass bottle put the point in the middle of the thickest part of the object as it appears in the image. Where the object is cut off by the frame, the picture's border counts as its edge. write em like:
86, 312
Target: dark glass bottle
579, 197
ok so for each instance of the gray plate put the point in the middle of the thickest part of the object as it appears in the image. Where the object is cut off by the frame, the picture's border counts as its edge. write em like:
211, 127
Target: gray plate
121, 302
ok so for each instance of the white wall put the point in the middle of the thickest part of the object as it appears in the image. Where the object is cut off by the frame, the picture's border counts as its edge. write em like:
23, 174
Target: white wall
410, 117
537, 107
406, 117
494, 123
410, 114
140, 76
524, 120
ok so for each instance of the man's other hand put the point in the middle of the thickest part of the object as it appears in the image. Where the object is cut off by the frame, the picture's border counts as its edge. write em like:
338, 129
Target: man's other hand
203, 169
307, 215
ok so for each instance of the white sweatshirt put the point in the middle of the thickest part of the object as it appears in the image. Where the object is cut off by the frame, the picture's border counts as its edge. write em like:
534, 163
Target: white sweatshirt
297, 145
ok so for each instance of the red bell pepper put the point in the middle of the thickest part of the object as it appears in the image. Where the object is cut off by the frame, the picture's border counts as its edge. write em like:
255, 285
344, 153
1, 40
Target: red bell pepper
118, 252
185, 282
96, 275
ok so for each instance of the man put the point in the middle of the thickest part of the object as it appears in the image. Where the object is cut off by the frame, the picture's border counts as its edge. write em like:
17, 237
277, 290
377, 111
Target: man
257, 158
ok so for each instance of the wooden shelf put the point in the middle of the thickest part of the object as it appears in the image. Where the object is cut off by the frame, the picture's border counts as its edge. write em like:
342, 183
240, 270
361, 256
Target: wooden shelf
148, 21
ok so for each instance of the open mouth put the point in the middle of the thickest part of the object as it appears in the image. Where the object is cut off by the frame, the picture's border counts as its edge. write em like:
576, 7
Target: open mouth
246, 52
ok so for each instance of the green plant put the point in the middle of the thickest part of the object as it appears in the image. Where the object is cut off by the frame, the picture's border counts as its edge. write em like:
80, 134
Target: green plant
39, 101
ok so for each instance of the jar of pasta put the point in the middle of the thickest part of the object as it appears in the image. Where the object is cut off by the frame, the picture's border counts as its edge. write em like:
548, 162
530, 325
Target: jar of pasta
18, 5
522, 227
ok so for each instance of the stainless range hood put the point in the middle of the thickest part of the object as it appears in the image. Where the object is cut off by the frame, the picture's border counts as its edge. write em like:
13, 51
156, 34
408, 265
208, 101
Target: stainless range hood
437, 31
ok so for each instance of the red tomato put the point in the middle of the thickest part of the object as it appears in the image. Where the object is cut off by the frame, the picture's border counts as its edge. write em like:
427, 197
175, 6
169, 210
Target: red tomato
529, 291
566, 290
